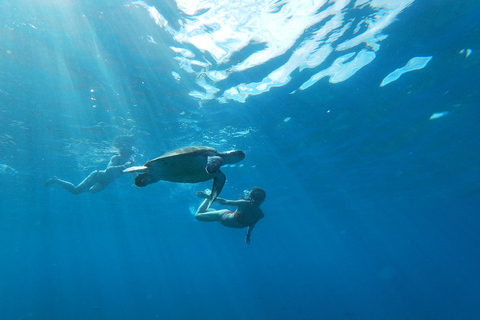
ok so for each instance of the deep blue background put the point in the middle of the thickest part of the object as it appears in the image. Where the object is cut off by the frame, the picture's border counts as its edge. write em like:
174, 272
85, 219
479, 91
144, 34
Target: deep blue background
372, 209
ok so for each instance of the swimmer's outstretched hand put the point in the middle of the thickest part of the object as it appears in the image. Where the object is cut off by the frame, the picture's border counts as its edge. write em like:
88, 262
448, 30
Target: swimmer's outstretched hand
204, 194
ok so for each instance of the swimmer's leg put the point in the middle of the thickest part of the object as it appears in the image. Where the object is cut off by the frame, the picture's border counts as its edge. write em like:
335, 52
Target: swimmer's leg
209, 215
50, 181
86, 184
70, 187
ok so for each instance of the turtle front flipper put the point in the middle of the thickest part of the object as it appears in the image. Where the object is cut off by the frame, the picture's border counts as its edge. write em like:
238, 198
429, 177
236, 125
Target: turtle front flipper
218, 183
136, 169
213, 164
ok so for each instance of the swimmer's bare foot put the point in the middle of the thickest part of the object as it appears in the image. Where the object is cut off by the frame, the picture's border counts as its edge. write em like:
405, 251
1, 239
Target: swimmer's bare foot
204, 194
50, 181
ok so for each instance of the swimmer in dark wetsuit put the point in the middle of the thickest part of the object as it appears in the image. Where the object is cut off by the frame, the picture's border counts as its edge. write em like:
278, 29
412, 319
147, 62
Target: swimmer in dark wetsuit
99, 179
248, 211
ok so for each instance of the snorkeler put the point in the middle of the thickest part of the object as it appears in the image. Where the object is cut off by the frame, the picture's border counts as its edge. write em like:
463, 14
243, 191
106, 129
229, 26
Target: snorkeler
99, 179
248, 211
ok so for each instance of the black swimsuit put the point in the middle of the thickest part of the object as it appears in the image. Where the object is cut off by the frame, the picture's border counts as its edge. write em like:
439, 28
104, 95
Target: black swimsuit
240, 218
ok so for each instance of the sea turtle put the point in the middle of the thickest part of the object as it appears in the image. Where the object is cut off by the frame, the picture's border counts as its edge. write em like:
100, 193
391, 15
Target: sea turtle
188, 165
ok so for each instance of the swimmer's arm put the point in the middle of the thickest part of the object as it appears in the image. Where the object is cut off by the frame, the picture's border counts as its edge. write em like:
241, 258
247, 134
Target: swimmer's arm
226, 202
121, 168
249, 232
114, 163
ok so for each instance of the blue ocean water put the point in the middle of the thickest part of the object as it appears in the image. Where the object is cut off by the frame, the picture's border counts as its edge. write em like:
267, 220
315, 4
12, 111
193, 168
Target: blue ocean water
372, 208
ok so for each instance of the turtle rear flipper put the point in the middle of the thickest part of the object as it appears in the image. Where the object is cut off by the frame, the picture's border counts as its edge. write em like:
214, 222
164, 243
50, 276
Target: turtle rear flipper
218, 183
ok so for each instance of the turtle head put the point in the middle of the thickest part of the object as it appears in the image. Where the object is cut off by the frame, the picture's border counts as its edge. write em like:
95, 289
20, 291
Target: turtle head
233, 156
144, 179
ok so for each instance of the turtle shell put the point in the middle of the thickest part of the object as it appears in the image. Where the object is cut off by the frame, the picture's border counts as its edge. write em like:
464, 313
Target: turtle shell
186, 165
191, 150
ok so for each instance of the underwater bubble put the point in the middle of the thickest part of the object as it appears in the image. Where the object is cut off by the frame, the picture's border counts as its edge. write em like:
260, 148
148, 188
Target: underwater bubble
7, 169
467, 52
150, 39
437, 115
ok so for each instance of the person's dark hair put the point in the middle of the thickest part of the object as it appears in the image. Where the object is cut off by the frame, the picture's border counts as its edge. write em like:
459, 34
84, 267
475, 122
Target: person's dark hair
124, 142
257, 194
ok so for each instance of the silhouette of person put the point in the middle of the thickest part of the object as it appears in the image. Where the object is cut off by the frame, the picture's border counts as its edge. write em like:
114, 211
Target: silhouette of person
248, 211
99, 179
